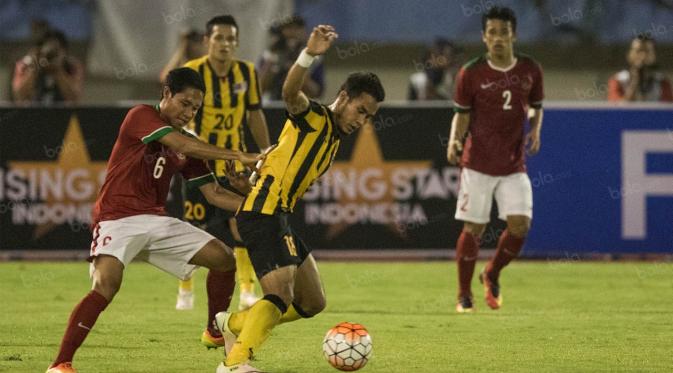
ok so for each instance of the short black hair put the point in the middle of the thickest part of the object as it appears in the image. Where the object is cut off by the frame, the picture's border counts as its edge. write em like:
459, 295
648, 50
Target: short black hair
363, 82
499, 12
53, 34
181, 78
294, 20
226, 19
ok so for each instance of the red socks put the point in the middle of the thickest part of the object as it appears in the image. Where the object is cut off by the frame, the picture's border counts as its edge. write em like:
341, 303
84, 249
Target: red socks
467, 249
509, 248
220, 288
82, 319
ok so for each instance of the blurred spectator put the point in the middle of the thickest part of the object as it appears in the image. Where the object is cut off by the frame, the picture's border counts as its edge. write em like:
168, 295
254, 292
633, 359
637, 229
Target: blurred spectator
48, 74
435, 74
287, 40
642, 81
191, 46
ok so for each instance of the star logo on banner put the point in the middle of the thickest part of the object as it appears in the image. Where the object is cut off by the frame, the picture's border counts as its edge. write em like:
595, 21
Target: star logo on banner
367, 158
69, 182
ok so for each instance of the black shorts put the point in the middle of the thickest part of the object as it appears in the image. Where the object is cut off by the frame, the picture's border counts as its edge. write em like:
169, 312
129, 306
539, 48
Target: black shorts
271, 242
203, 215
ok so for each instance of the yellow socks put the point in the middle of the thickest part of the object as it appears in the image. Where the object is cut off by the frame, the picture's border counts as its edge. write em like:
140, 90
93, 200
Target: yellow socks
186, 286
245, 274
259, 322
237, 319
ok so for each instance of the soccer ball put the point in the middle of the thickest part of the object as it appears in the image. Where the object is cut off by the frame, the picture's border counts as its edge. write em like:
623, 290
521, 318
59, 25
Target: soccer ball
347, 346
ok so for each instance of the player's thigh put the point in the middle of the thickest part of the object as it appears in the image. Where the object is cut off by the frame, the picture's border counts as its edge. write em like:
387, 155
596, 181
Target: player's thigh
309, 292
270, 243
176, 243
514, 196
214, 255
475, 197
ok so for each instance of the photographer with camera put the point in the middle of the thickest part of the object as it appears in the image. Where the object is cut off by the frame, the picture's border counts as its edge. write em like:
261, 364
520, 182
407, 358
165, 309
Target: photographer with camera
642, 81
288, 38
47, 74
191, 47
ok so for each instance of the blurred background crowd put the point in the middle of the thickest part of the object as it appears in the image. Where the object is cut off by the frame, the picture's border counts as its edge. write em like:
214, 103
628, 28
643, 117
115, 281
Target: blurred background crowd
103, 52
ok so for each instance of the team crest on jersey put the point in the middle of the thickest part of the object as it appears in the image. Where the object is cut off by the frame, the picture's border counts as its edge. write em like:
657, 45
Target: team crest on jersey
180, 156
240, 87
527, 83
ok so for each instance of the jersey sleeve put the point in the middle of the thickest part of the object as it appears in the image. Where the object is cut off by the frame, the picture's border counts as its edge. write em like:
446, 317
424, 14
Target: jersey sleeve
537, 90
306, 121
253, 98
196, 173
144, 124
462, 100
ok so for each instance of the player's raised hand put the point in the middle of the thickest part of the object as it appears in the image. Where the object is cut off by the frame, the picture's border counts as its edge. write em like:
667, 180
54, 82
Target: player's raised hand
321, 39
533, 142
453, 151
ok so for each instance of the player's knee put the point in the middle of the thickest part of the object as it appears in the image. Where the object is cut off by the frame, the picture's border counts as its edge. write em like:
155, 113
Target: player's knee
279, 301
474, 229
310, 307
317, 305
519, 230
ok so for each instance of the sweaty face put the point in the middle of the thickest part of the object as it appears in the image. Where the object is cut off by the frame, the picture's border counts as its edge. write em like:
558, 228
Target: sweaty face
222, 42
180, 108
498, 37
356, 112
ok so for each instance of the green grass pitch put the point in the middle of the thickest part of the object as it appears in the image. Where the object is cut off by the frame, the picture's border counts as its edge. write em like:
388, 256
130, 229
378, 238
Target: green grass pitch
557, 317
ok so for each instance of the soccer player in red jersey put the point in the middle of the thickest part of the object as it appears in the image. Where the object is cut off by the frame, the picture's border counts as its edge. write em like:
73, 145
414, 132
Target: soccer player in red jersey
495, 95
130, 218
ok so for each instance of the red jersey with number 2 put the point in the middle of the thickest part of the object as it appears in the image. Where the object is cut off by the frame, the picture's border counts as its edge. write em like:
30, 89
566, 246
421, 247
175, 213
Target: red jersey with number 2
497, 100
140, 168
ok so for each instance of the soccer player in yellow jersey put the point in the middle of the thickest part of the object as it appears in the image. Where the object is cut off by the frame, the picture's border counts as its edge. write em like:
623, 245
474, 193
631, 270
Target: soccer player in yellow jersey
306, 148
232, 101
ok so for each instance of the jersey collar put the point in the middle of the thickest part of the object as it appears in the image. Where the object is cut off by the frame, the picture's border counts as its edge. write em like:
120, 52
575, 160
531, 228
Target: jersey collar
504, 70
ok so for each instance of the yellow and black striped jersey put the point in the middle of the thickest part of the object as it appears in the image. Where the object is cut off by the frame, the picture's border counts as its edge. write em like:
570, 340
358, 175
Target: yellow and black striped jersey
221, 119
306, 148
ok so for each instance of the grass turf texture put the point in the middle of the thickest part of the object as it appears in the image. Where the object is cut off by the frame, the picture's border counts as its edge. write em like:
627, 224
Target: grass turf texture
556, 316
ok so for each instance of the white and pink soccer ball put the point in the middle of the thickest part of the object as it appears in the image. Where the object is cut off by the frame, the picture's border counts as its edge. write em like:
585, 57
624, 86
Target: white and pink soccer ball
347, 346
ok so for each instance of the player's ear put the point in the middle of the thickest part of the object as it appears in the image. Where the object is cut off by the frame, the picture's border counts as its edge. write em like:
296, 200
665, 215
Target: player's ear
342, 99
166, 92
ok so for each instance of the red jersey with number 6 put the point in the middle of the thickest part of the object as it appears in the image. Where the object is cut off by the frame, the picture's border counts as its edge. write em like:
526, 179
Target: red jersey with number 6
497, 100
140, 168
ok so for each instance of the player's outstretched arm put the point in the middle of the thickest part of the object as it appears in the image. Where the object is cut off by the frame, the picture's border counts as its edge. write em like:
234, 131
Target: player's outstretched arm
220, 197
319, 42
198, 149
459, 126
533, 136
